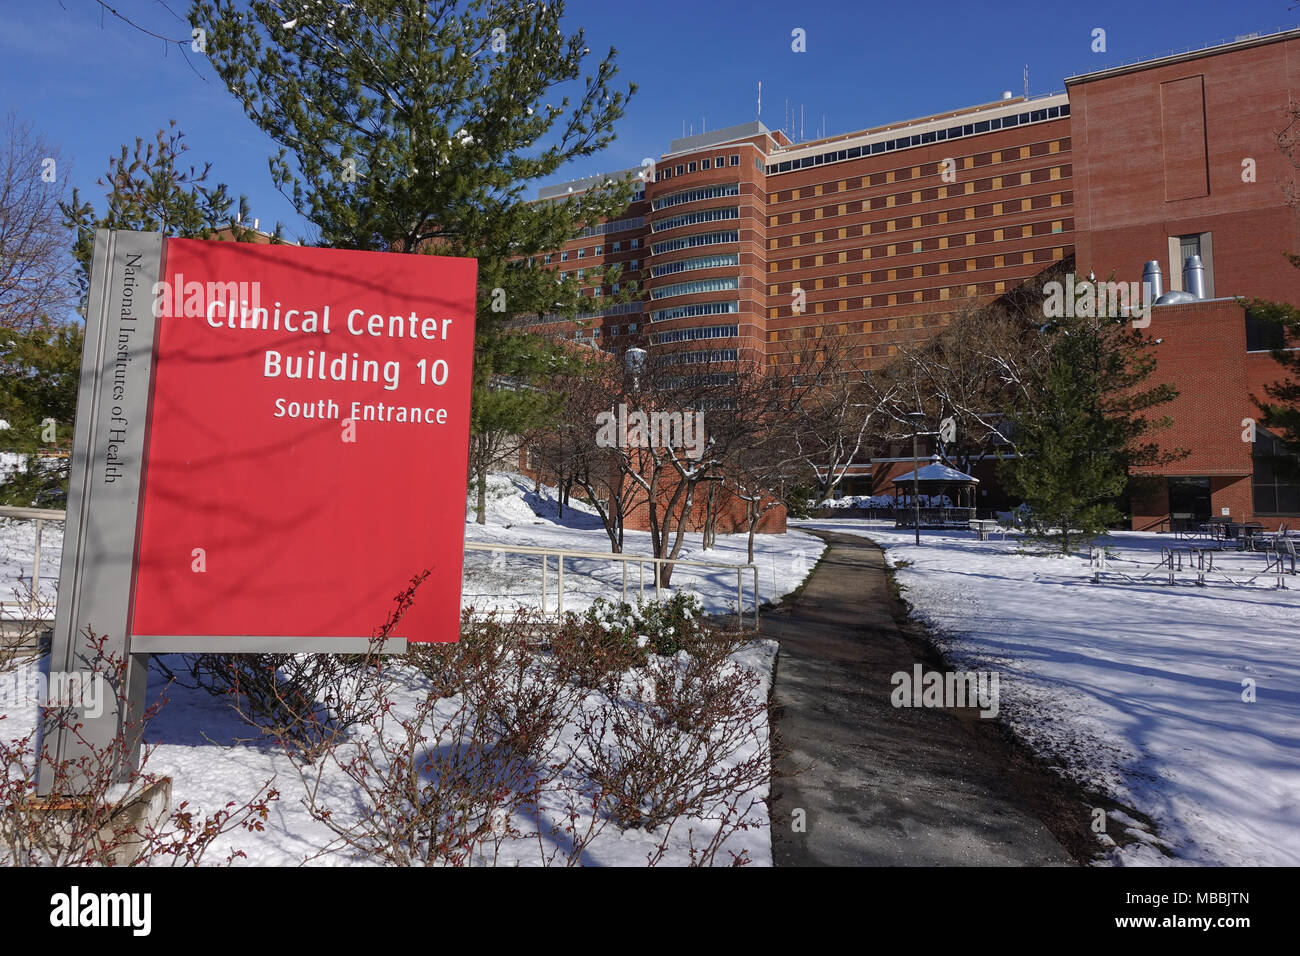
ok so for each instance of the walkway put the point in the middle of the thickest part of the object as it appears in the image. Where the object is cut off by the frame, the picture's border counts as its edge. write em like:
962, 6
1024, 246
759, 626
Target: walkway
881, 785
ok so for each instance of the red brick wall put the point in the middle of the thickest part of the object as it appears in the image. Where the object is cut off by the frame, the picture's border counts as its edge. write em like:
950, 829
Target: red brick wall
1133, 156
1202, 353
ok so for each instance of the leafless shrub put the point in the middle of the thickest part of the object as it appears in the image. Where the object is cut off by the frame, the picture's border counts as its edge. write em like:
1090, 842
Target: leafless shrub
98, 814
307, 701
686, 738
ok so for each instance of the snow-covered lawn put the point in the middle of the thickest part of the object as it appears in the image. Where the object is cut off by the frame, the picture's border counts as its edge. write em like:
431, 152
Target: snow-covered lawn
1135, 689
517, 516
206, 749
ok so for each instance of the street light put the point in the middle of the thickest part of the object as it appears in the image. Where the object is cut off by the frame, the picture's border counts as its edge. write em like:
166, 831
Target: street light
634, 358
917, 419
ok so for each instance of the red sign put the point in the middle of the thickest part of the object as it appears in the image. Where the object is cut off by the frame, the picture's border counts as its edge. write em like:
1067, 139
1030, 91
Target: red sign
308, 443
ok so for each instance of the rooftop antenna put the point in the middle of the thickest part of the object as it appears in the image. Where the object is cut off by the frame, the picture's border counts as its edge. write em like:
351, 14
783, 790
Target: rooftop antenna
786, 127
801, 122
760, 101
1026, 81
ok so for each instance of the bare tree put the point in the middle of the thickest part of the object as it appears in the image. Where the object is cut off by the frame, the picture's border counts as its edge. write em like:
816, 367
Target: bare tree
35, 265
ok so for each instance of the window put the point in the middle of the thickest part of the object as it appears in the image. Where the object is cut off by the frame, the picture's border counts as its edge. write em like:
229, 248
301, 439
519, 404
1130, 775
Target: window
582, 253
564, 257
704, 164
680, 169
735, 159
613, 330
689, 242
618, 246
693, 195
690, 167
579, 274
1197, 244
631, 328
720, 162
700, 308
1263, 336
704, 332
691, 218
634, 244
598, 251
548, 260
634, 264
1276, 479
700, 285
702, 262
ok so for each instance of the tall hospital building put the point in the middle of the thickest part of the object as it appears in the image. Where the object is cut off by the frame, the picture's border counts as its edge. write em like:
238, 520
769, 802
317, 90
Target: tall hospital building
887, 230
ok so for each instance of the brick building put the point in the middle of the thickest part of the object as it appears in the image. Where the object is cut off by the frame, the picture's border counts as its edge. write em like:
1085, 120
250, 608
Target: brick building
878, 234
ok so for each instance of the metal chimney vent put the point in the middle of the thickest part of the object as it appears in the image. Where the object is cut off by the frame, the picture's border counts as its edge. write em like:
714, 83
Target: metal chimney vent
1194, 277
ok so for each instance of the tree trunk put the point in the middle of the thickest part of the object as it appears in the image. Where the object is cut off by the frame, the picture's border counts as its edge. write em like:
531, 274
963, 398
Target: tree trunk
480, 509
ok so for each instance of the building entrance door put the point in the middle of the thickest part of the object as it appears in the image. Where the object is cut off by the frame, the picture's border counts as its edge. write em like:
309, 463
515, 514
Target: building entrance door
1189, 498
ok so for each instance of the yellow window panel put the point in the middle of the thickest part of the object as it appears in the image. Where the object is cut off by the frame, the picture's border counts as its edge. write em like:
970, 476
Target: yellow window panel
1056, 199
817, 190
998, 262
997, 182
997, 235
943, 268
891, 275
844, 280
967, 162
817, 213
916, 222
970, 188
844, 256
1024, 152
889, 176
817, 284
916, 272
843, 233
1054, 173
817, 261
1054, 146
916, 196
1026, 204
1026, 232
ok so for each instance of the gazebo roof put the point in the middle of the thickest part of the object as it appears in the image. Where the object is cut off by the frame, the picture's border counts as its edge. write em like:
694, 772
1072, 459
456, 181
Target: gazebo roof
937, 472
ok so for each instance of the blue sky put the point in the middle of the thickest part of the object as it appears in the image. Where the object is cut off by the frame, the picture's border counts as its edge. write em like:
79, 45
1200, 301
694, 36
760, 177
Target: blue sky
90, 87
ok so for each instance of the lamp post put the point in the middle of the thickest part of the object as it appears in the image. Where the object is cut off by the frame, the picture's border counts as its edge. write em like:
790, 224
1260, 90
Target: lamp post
634, 358
916, 418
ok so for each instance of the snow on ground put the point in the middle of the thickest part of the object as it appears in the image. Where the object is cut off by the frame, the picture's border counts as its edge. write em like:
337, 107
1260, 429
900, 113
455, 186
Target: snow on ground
515, 515
17, 550
1134, 689
206, 749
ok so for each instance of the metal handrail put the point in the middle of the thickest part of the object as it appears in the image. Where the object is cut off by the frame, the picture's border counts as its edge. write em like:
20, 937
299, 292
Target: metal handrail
40, 516
625, 559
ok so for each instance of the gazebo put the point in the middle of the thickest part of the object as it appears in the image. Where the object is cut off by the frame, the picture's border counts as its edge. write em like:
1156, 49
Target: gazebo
935, 480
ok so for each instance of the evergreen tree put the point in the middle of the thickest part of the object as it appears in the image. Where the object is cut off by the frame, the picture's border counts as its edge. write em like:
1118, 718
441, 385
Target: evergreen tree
39, 371
1084, 426
415, 127
150, 190
1281, 415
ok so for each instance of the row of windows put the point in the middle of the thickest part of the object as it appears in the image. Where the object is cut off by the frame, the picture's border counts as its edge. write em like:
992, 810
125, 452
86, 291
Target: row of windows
690, 218
699, 308
689, 242
920, 139
933, 268
614, 225
722, 284
1009, 154
719, 261
701, 357
924, 196
968, 214
1043, 227
630, 266
702, 332
694, 195
688, 381
581, 253
939, 294
668, 172
623, 308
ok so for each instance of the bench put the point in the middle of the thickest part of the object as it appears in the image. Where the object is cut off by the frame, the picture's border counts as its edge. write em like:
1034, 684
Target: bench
983, 527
